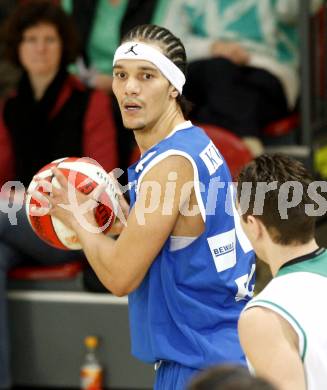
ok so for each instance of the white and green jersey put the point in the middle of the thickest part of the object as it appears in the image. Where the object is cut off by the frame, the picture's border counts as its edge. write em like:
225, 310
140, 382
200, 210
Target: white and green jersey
298, 294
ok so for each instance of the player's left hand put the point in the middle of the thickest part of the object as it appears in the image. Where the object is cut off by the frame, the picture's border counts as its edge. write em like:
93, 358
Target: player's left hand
66, 203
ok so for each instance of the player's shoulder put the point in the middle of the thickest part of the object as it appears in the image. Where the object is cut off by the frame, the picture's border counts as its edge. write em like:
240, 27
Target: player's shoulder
262, 314
171, 165
255, 316
258, 307
256, 324
263, 326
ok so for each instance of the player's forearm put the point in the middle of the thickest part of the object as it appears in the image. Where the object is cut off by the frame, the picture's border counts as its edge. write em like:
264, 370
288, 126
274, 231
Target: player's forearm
100, 253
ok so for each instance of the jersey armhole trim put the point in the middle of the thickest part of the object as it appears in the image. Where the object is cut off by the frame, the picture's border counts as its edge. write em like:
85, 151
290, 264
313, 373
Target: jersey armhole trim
288, 317
173, 152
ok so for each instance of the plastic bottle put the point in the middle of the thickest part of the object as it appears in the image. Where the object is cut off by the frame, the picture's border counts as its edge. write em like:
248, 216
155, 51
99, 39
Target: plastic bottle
91, 370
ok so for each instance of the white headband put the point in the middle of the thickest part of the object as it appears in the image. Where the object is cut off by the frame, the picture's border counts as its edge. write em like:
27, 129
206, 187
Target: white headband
142, 51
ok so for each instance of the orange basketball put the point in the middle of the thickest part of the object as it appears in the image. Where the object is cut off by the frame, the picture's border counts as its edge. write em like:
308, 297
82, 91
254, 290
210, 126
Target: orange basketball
85, 175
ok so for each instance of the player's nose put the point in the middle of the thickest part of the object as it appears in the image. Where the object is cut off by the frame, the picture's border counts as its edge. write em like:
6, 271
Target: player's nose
132, 86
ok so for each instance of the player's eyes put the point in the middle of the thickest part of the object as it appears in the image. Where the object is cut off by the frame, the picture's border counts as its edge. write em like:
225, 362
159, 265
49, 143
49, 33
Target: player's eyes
147, 76
120, 75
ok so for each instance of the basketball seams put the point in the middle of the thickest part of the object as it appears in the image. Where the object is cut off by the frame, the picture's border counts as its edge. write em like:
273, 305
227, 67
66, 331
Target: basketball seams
87, 175
100, 176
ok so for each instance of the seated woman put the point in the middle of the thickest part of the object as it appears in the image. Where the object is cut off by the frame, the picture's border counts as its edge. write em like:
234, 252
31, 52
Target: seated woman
50, 115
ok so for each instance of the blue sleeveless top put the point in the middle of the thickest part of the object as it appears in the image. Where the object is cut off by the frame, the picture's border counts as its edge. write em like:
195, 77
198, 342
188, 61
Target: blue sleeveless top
187, 307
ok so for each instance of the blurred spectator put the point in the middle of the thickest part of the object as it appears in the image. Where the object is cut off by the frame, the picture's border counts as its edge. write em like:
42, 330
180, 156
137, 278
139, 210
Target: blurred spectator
49, 101
101, 24
244, 60
51, 115
228, 378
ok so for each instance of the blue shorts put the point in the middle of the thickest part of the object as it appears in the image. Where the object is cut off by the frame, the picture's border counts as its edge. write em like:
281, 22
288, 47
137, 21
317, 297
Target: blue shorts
173, 376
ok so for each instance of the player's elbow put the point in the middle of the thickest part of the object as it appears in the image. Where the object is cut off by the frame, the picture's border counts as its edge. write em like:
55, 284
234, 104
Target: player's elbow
117, 292
113, 284
121, 291
120, 287
116, 288
121, 280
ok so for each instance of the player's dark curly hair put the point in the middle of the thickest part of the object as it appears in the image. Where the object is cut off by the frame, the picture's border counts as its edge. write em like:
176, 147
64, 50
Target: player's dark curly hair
31, 13
299, 225
171, 46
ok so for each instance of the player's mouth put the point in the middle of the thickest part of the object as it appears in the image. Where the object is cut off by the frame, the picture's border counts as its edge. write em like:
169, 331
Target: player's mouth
132, 107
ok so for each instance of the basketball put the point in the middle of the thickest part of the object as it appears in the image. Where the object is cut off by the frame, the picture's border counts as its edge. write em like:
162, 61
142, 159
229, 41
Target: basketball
85, 175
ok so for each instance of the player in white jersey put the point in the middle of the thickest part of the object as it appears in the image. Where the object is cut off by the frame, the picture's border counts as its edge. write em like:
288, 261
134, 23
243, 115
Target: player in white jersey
283, 329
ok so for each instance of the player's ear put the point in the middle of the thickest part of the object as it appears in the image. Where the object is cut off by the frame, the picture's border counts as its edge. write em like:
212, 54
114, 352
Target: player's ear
173, 92
254, 226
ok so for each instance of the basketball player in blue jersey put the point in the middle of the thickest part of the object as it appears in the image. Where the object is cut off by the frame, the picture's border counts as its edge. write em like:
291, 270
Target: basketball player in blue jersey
183, 259
283, 329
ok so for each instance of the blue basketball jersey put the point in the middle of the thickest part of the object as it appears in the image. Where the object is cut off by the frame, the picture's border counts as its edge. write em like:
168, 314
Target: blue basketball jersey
187, 307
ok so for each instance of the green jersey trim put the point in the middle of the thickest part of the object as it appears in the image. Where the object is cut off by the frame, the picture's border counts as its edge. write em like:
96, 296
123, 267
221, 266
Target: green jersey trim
288, 316
315, 265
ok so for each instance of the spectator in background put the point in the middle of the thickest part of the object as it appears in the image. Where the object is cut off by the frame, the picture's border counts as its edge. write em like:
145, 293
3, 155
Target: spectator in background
244, 60
76, 120
51, 115
101, 24
228, 377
